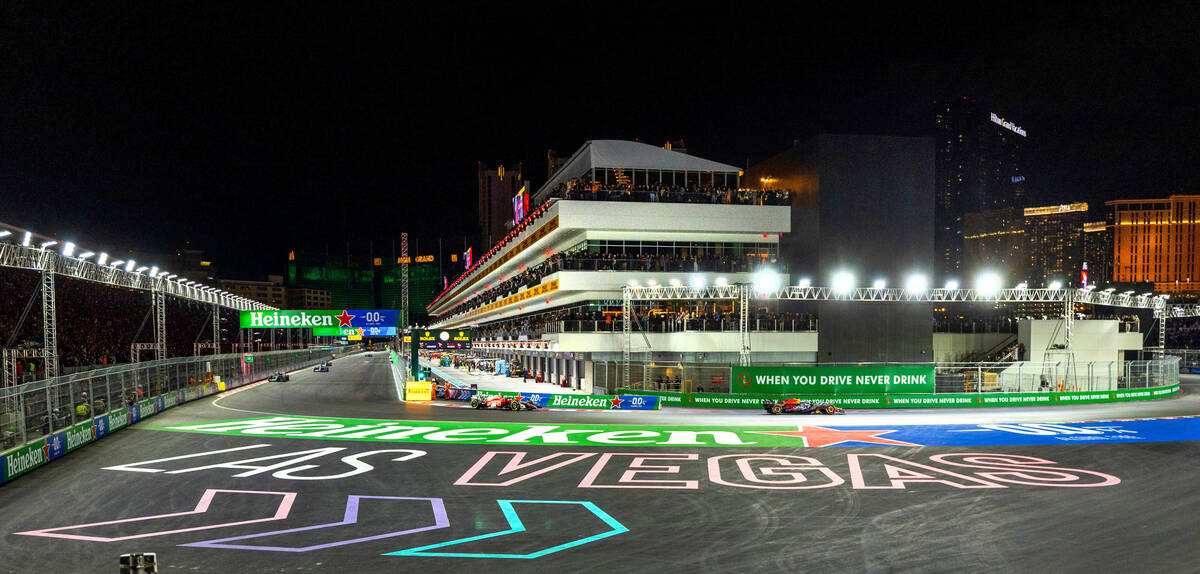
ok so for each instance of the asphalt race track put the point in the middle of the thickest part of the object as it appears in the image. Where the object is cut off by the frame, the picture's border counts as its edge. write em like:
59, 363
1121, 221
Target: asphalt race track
1053, 489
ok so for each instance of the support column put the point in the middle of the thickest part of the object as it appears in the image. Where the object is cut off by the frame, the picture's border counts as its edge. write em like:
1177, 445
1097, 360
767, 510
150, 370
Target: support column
1068, 315
216, 328
626, 311
743, 324
404, 316
49, 314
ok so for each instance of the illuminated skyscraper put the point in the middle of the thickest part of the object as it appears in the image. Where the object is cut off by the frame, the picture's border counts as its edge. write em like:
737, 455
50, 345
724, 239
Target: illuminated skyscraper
980, 167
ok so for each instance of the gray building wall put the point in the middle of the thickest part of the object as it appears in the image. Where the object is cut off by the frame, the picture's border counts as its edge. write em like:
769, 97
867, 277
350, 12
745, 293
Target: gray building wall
865, 204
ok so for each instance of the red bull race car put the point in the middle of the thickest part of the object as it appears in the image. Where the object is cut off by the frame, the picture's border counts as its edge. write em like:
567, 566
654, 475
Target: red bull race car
502, 402
801, 407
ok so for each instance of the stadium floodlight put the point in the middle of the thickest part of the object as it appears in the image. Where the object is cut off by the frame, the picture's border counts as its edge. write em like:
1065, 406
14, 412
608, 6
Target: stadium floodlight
154, 271
916, 283
1022, 285
652, 283
1091, 287
766, 281
68, 249
1128, 293
116, 262
1110, 289
675, 283
129, 265
805, 283
5, 233
103, 258
190, 283
697, 281
722, 282
86, 254
27, 239
1056, 285
140, 269
633, 283
171, 276
988, 283
50, 243
951, 285
879, 285
1147, 294
843, 282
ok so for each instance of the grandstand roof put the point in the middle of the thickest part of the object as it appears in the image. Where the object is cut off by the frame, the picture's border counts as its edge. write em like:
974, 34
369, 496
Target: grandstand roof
630, 155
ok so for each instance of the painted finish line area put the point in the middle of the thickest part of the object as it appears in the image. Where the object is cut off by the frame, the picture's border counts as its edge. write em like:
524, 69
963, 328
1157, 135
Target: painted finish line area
800, 434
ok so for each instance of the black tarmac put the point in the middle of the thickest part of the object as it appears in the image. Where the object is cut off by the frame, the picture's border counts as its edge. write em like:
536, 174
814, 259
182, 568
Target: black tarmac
1147, 522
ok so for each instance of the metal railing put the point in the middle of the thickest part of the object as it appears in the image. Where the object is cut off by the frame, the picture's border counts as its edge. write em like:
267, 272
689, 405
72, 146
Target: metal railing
1009, 377
36, 409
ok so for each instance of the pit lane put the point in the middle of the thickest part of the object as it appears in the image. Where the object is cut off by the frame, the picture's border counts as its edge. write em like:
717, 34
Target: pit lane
690, 519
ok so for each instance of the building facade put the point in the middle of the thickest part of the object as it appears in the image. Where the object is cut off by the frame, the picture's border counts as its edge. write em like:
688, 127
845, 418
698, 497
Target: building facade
1156, 240
270, 292
864, 205
981, 166
619, 213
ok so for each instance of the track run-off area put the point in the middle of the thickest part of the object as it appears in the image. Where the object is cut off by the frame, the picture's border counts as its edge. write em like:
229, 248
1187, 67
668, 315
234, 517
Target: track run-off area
331, 472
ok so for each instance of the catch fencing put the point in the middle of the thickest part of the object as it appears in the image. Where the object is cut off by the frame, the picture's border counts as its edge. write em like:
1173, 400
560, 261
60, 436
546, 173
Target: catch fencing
37, 409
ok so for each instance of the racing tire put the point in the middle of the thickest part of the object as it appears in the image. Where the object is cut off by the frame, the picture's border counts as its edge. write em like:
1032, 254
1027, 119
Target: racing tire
776, 409
514, 406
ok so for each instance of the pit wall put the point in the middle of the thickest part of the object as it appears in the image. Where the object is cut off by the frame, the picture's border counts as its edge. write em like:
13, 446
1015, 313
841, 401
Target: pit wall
940, 400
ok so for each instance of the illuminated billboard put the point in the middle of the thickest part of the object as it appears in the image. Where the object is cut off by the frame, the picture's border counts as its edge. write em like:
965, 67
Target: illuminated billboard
444, 339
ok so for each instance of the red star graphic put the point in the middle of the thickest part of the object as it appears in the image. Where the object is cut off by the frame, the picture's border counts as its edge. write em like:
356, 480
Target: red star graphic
616, 403
821, 436
344, 319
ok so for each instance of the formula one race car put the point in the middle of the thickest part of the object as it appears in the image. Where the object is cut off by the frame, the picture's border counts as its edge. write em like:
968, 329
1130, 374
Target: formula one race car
321, 369
279, 377
502, 402
797, 406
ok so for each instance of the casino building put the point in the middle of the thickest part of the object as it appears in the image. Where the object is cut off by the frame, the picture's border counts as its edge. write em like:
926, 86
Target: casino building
617, 213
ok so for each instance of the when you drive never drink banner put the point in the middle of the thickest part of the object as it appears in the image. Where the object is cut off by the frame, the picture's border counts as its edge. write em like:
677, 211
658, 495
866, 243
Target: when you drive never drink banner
883, 380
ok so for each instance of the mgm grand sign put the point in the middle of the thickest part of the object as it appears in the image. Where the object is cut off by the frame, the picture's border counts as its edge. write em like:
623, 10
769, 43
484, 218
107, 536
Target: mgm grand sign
443, 339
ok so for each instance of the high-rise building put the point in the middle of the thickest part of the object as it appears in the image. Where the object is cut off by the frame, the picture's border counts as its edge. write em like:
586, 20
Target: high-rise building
1097, 266
1157, 240
1054, 244
497, 188
980, 167
1034, 245
366, 282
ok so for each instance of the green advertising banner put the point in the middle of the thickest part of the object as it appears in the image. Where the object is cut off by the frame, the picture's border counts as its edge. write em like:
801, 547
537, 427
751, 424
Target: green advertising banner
23, 460
834, 380
941, 400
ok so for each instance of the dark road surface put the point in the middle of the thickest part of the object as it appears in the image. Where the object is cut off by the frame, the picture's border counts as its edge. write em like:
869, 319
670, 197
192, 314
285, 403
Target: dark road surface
260, 500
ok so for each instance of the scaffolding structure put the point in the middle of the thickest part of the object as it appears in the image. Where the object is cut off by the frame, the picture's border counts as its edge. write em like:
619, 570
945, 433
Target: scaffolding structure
742, 293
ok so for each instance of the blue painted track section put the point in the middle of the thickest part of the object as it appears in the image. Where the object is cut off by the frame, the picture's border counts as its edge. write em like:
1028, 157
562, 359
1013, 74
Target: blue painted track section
1003, 434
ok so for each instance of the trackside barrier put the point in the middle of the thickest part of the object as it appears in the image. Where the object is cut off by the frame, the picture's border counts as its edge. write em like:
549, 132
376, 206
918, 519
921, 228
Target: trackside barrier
712, 400
51, 418
635, 402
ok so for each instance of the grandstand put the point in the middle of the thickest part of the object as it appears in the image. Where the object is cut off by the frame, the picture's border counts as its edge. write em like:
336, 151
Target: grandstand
67, 309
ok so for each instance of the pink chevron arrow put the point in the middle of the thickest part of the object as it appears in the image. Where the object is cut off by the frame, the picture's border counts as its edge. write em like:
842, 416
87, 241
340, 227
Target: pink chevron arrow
281, 512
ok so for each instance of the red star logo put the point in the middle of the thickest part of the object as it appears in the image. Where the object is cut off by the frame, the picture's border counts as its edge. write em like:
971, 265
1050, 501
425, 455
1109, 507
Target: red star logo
343, 319
615, 403
821, 436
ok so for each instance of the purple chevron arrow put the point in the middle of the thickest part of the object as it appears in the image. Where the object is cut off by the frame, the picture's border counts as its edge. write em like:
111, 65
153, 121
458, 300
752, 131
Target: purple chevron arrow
440, 520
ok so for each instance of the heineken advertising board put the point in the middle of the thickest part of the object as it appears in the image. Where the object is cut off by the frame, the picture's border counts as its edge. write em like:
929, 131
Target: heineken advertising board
325, 318
353, 331
883, 380
444, 338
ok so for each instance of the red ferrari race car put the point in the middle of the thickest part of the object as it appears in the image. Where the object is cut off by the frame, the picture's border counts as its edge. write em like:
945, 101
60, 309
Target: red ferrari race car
502, 402
797, 406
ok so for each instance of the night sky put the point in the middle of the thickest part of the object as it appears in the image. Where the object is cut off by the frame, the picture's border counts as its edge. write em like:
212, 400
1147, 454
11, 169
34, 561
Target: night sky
251, 128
